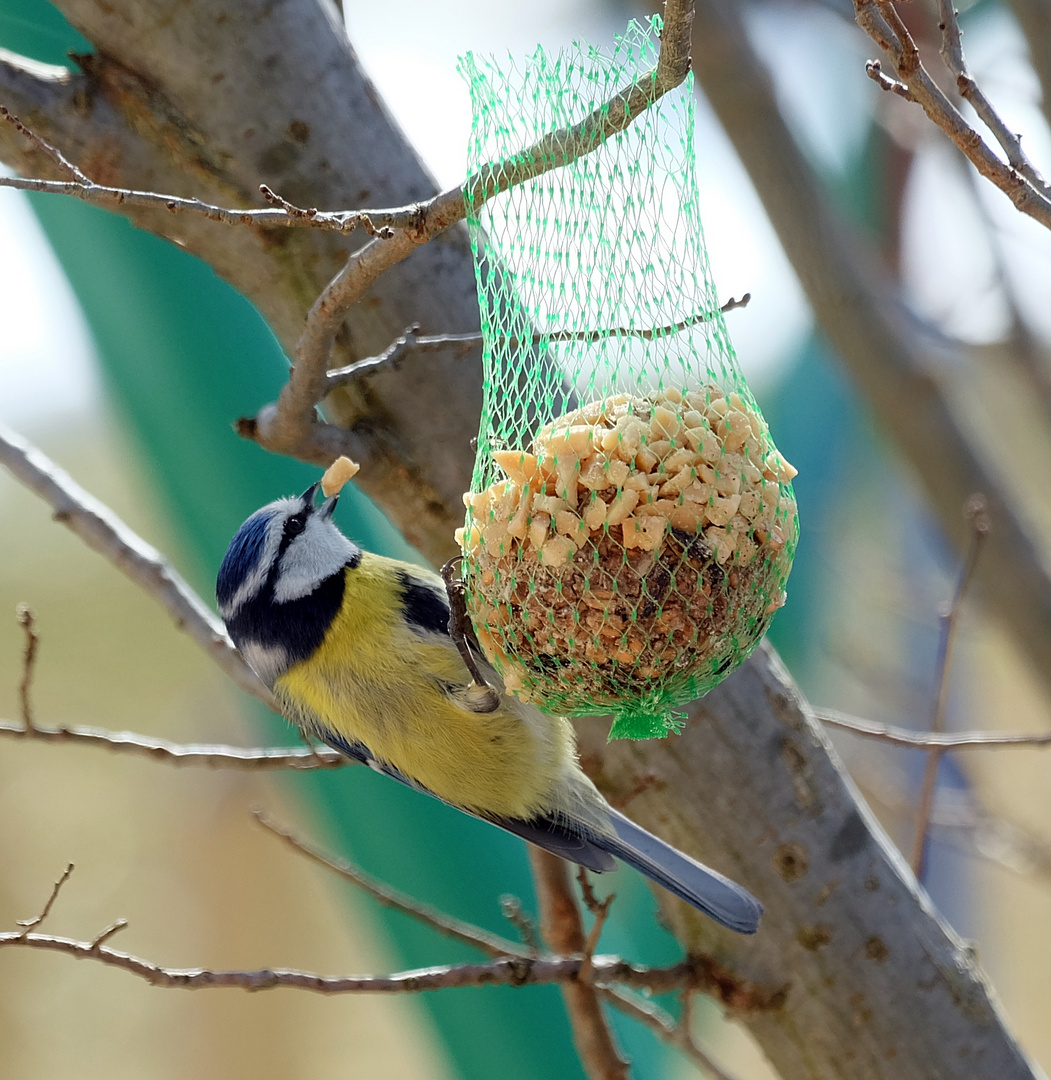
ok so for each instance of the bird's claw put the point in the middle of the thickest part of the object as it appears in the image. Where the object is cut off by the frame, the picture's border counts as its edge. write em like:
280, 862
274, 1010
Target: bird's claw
480, 697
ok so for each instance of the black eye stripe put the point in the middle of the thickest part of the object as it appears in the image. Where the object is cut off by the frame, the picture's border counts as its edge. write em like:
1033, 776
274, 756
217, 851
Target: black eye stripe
296, 524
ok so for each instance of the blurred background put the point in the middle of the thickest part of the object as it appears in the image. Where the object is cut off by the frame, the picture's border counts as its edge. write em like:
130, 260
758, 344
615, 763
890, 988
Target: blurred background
176, 852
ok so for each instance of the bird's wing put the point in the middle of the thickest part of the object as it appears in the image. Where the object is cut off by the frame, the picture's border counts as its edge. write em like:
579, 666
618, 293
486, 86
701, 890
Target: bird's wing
548, 832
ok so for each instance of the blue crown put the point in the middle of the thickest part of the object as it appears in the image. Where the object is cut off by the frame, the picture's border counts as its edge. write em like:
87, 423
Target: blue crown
243, 554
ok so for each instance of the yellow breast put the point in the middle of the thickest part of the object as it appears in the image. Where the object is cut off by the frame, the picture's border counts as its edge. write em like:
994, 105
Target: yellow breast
373, 681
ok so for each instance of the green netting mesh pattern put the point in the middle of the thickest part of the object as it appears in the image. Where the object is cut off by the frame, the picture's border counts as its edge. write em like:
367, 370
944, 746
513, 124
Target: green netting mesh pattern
631, 525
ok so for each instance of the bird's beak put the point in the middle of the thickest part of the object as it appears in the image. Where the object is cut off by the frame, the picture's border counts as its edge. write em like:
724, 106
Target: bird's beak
308, 495
325, 512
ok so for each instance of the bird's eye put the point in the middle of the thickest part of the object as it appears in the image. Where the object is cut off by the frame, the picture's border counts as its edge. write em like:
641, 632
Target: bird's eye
295, 525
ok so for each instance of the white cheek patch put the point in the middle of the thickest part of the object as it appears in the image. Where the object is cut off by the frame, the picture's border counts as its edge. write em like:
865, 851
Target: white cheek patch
319, 551
267, 661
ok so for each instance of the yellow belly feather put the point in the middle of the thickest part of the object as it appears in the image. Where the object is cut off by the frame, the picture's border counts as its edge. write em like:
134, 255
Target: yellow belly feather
372, 681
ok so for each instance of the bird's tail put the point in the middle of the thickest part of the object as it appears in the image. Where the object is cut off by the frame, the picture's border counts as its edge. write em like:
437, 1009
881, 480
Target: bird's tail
710, 892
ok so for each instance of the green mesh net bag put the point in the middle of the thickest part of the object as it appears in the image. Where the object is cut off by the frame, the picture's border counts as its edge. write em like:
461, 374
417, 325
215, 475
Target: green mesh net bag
630, 525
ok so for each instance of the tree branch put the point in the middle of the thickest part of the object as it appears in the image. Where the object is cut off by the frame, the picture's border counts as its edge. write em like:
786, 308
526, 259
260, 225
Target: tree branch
752, 787
409, 344
173, 133
947, 639
971, 92
28, 924
899, 736
192, 754
665, 1028
475, 936
1017, 179
105, 533
504, 971
563, 931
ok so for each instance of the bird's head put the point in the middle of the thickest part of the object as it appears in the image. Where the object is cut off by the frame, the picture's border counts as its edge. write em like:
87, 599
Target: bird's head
279, 579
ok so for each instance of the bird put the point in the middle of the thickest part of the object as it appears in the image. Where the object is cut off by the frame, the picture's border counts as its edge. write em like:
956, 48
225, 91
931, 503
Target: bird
358, 652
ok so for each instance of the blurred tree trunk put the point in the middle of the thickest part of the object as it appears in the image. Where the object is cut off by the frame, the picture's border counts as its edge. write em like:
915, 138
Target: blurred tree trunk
852, 975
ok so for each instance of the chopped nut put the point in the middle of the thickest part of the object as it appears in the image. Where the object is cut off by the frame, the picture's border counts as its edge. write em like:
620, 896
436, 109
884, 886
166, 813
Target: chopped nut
720, 510
337, 474
538, 530
622, 506
555, 551
646, 459
595, 514
519, 466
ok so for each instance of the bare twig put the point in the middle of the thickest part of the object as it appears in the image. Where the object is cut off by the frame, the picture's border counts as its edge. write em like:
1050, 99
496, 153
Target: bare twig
512, 911
42, 144
110, 198
563, 931
103, 936
190, 754
600, 911
956, 740
289, 208
1016, 178
490, 944
28, 924
104, 532
502, 971
664, 1027
409, 343
84, 188
26, 620
980, 529
970, 91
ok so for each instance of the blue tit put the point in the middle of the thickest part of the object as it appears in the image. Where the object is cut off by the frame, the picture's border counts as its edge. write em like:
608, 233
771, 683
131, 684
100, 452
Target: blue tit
357, 650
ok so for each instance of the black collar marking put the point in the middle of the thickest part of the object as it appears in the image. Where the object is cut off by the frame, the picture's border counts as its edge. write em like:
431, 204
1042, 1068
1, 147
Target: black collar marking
425, 607
298, 626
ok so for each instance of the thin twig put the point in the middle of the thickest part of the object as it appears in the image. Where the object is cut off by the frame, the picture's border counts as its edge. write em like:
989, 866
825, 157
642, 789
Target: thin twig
956, 740
490, 944
512, 911
42, 144
600, 911
1023, 186
979, 530
104, 532
28, 924
26, 621
501, 971
409, 343
103, 936
563, 931
952, 55
289, 208
84, 188
190, 754
664, 1027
